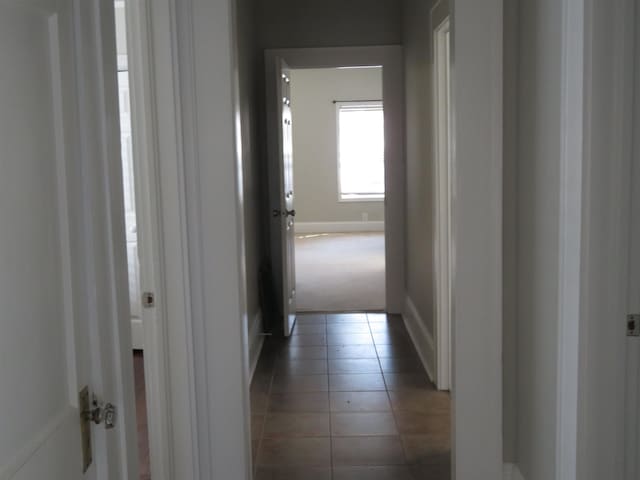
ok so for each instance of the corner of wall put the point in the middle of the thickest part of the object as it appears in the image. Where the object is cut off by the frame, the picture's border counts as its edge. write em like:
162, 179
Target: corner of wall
421, 337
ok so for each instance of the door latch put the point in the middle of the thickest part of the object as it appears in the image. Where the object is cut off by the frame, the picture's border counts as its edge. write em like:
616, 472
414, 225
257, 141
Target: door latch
98, 413
148, 300
633, 325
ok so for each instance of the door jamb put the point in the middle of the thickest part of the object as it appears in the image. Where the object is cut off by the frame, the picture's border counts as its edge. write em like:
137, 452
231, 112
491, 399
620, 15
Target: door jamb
152, 267
443, 207
477, 149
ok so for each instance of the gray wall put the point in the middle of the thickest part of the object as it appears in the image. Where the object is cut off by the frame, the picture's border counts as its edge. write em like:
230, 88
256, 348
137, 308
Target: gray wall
539, 146
328, 23
315, 141
247, 58
510, 238
419, 157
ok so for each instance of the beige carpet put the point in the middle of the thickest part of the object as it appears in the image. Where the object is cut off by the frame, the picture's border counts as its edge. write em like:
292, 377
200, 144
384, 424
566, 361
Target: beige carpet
340, 272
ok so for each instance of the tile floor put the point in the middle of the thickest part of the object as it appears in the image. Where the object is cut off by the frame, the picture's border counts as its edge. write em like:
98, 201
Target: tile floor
346, 398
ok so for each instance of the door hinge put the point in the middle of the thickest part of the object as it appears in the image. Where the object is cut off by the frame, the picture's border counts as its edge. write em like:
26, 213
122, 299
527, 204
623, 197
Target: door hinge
633, 325
93, 411
148, 300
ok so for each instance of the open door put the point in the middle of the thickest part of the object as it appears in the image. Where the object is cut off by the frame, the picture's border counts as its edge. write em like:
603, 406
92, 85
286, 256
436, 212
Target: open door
281, 188
64, 335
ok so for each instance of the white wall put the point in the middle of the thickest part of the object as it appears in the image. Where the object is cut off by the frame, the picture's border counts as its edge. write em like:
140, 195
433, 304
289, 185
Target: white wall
315, 141
538, 205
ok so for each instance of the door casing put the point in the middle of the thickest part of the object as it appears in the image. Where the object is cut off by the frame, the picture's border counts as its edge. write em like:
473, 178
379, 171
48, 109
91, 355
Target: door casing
390, 58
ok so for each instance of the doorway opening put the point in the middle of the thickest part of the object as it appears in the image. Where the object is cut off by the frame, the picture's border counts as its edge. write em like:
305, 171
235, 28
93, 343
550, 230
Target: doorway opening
339, 185
133, 258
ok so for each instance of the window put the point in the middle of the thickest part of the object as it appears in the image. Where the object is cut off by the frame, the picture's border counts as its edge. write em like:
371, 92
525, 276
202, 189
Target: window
360, 150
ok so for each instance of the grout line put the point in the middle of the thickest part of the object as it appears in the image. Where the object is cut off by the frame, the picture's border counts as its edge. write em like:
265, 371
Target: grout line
393, 412
266, 410
326, 330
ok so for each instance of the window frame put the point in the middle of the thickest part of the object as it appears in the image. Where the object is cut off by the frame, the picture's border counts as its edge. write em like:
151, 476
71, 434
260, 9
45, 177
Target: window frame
366, 198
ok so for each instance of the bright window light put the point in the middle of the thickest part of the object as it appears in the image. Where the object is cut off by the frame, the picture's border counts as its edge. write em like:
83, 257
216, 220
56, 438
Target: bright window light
361, 150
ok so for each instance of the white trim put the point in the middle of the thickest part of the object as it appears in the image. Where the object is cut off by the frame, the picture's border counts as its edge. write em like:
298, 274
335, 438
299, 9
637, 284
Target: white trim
256, 342
137, 334
477, 143
390, 58
443, 214
512, 472
201, 173
150, 330
570, 237
338, 227
420, 336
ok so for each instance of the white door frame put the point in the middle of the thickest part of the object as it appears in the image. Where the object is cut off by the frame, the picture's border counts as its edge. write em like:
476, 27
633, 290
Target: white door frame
195, 113
390, 58
443, 211
152, 267
477, 136
596, 128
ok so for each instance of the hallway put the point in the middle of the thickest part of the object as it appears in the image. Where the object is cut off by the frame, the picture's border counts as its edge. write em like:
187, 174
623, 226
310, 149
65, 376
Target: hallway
347, 398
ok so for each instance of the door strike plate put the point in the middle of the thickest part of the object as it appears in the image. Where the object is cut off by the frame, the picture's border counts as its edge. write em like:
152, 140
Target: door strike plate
84, 405
633, 325
148, 300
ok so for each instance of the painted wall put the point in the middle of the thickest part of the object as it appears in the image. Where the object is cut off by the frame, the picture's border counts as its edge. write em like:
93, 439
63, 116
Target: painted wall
419, 157
247, 57
330, 23
509, 233
315, 141
538, 173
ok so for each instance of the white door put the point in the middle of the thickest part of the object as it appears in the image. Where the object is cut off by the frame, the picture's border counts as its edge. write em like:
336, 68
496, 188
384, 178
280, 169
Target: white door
62, 263
288, 213
282, 193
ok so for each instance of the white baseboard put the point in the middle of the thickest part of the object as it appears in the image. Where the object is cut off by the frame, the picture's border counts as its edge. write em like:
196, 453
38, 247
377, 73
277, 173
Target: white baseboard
421, 338
339, 227
511, 472
137, 334
256, 341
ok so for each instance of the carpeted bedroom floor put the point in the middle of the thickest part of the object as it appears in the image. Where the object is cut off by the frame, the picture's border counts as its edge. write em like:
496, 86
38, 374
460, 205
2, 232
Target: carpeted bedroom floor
340, 272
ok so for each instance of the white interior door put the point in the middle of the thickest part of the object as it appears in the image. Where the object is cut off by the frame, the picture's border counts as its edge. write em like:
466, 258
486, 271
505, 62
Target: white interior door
282, 228
288, 212
61, 265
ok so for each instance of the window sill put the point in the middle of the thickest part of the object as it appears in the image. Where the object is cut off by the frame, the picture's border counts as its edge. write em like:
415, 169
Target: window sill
361, 200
